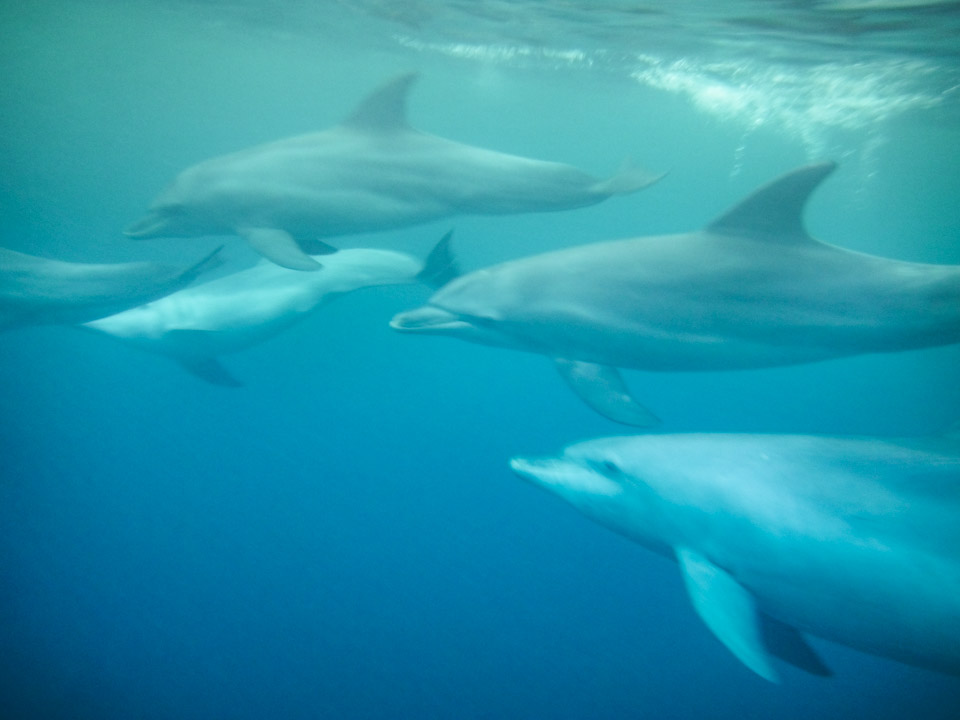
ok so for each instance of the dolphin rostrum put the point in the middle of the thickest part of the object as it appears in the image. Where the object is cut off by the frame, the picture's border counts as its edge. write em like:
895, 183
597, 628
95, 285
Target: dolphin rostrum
750, 290
850, 539
230, 313
39, 291
372, 172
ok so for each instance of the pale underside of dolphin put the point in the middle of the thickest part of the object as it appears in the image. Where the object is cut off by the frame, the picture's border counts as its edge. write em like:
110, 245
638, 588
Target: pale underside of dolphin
751, 290
231, 313
373, 172
40, 291
854, 540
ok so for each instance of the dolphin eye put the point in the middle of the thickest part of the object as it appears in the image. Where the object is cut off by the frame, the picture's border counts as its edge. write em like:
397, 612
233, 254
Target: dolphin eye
608, 468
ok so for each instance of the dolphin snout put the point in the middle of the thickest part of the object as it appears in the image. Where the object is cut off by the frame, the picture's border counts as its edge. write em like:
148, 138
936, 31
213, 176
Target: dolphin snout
150, 225
537, 470
562, 475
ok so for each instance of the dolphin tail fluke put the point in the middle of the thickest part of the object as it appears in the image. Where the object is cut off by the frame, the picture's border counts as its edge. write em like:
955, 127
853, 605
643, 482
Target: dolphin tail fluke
629, 178
441, 266
210, 370
603, 389
279, 247
728, 609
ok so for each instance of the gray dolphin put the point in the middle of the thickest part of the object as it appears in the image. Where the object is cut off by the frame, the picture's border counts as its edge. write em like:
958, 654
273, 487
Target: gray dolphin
196, 325
372, 172
750, 290
854, 540
39, 291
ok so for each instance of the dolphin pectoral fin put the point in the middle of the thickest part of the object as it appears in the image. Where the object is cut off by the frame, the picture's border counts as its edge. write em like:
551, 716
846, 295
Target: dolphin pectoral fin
603, 389
629, 178
440, 267
788, 644
314, 246
211, 370
728, 609
278, 246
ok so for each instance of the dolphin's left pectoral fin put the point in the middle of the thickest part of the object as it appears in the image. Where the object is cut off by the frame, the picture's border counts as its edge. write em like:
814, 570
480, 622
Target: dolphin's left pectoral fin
728, 609
278, 246
603, 389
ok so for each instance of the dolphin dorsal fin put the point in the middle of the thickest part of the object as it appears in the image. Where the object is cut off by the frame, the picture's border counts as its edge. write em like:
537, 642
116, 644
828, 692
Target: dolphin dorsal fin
775, 211
385, 109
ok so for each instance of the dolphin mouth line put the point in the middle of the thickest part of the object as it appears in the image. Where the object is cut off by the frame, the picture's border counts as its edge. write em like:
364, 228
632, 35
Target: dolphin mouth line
427, 319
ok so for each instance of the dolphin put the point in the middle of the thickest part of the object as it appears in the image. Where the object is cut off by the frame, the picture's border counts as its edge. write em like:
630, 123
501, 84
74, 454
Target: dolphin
372, 172
40, 291
230, 313
850, 539
751, 290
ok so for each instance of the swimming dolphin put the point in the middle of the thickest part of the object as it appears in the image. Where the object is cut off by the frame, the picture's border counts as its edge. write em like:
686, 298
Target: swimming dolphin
39, 291
854, 540
233, 312
750, 290
372, 172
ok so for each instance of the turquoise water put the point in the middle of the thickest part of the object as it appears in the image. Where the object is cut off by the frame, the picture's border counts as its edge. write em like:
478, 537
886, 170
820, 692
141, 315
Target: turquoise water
342, 538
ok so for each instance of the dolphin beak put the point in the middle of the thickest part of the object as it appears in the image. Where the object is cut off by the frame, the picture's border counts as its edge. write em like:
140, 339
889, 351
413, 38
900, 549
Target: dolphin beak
540, 471
560, 474
428, 319
150, 225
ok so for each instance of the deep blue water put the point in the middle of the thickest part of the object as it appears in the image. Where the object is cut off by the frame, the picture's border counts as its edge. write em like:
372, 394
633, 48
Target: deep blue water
342, 537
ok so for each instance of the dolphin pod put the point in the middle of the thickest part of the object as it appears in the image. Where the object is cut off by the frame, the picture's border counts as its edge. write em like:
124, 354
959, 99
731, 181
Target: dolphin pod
39, 291
195, 325
372, 172
777, 537
854, 540
751, 290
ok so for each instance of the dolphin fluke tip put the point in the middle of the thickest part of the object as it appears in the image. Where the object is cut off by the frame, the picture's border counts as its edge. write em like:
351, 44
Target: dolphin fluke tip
629, 179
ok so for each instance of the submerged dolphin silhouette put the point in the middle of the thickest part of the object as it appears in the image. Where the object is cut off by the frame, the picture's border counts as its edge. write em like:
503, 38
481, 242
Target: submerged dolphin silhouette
750, 290
372, 172
39, 291
854, 540
233, 312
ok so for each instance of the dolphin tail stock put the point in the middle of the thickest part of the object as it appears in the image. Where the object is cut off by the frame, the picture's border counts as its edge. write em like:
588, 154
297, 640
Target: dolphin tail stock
603, 389
628, 179
441, 266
